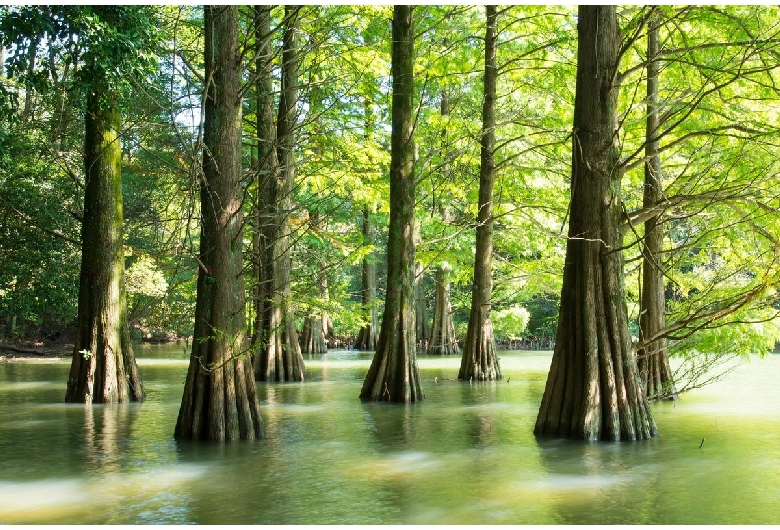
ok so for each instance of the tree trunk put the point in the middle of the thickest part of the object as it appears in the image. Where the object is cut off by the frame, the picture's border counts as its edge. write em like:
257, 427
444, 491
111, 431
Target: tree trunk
367, 335
653, 361
443, 340
220, 399
103, 367
394, 375
479, 359
315, 325
265, 199
593, 389
422, 331
281, 359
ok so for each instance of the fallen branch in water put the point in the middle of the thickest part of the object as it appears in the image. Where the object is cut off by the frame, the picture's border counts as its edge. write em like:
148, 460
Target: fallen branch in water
18, 349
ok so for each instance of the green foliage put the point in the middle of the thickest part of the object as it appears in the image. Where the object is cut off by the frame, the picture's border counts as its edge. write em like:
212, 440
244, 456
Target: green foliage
719, 142
510, 323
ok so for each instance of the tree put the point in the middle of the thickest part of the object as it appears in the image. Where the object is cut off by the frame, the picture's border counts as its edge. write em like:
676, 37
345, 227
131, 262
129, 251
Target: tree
103, 367
653, 360
443, 340
593, 389
280, 357
220, 400
480, 360
394, 375
367, 335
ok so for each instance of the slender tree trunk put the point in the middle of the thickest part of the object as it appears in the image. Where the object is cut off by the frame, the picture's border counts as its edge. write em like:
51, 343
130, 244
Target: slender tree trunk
394, 375
653, 361
266, 216
315, 324
367, 336
480, 360
443, 340
27, 111
422, 331
220, 400
281, 359
593, 389
103, 367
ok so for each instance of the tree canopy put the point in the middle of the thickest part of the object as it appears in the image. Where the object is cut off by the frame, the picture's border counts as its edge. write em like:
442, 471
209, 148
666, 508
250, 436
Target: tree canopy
716, 140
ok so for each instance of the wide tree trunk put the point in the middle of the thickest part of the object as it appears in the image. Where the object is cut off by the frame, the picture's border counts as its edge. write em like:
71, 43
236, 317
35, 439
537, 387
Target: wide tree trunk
593, 389
367, 337
443, 340
394, 375
103, 367
480, 360
220, 400
653, 360
281, 359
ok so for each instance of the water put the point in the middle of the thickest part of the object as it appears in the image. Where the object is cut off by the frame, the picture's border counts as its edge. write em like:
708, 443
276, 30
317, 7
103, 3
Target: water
466, 455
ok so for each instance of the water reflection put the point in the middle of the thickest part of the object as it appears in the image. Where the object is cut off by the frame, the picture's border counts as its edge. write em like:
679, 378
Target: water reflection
465, 455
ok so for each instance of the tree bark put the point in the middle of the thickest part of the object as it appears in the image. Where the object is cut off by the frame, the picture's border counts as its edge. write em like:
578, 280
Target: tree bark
653, 360
394, 375
281, 359
220, 400
422, 331
367, 336
265, 200
593, 389
443, 340
315, 325
103, 367
480, 360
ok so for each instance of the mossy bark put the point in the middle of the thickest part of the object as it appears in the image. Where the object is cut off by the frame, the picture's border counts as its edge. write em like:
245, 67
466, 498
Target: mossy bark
593, 389
103, 367
220, 401
394, 375
480, 361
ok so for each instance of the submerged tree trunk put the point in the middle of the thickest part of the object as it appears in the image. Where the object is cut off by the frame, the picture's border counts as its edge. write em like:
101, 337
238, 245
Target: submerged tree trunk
443, 340
593, 389
653, 361
367, 336
281, 359
480, 360
103, 367
394, 375
220, 400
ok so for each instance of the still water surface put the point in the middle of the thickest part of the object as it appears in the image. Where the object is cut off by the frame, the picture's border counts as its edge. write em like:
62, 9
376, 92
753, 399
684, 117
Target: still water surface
465, 455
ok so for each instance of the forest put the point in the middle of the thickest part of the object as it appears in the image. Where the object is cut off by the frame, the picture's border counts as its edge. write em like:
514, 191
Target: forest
270, 182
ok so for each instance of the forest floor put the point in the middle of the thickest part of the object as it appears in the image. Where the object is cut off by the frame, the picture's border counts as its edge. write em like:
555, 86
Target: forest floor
13, 351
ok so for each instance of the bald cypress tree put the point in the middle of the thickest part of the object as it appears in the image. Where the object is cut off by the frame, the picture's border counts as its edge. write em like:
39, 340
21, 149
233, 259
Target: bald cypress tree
593, 389
220, 400
394, 375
